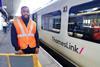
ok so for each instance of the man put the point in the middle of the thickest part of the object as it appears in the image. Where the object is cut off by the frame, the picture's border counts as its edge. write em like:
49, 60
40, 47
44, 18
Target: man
93, 23
24, 36
5, 26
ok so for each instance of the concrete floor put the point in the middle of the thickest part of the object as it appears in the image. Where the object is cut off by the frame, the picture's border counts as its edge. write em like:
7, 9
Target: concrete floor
5, 47
5, 43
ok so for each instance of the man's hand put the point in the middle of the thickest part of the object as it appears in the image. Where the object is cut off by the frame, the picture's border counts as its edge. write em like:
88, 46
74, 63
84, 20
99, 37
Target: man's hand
19, 52
36, 50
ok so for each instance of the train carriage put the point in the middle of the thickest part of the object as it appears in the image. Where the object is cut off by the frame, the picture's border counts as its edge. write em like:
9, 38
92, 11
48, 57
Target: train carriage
66, 27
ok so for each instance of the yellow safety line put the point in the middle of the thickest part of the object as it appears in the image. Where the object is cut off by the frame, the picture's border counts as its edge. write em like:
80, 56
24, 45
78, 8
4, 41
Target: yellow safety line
8, 61
36, 61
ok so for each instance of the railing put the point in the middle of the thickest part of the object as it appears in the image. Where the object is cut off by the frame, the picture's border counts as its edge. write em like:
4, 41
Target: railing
30, 60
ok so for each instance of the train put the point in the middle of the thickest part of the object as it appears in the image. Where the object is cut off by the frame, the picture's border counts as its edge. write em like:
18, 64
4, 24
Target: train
72, 29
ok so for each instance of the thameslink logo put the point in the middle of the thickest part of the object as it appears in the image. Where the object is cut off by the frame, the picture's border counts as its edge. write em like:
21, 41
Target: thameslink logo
68, 45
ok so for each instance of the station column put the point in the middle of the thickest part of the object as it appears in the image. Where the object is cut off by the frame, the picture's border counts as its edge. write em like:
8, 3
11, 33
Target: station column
0, 3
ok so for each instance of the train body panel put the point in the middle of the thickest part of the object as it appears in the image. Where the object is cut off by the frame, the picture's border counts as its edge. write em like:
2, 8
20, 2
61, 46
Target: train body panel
83, 52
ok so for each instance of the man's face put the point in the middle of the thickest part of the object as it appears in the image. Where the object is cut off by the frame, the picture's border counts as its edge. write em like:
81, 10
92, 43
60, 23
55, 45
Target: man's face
25, 12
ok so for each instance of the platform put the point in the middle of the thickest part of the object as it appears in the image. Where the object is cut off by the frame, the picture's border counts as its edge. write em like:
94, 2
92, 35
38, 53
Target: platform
7, 52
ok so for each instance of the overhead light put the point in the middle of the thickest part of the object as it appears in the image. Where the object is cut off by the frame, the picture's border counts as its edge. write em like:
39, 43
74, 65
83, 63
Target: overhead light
72, 14
89, 10
94, 8
4, 7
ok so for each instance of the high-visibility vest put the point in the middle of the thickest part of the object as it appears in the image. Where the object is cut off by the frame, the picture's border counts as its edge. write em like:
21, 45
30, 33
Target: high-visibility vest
25, 35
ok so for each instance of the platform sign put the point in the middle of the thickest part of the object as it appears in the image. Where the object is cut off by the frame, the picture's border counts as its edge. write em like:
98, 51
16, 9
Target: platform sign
14, 60
20, 61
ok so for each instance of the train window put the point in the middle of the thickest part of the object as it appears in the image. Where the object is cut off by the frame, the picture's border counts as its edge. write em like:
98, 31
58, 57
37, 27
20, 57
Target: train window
34, 17
52, 21
84, 21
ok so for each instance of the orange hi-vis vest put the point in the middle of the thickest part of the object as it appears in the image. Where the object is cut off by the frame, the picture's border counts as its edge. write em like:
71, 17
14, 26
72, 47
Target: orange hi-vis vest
25, 34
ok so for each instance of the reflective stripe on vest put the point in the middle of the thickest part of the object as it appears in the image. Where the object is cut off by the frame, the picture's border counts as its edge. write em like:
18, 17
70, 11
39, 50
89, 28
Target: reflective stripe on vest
21, 35
20, 27
25, 35
22, 30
